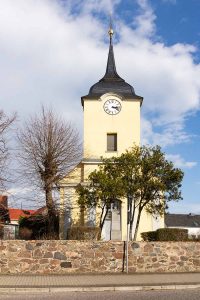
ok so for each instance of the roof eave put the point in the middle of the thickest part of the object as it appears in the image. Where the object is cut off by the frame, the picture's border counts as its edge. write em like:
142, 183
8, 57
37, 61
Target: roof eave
97, 97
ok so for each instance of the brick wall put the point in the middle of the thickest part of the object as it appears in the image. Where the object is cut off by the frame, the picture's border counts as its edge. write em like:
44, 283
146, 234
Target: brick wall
55, 257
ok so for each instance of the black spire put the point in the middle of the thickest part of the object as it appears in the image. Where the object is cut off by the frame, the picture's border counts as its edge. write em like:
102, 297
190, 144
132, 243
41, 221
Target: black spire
111, 72
111, 82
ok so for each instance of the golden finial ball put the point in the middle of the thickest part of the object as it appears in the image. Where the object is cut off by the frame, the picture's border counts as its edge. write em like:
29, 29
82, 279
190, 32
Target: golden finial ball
110, 32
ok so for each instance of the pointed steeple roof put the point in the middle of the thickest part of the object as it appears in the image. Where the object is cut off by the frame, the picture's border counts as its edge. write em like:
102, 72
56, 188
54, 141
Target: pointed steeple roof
111, 72
111, 81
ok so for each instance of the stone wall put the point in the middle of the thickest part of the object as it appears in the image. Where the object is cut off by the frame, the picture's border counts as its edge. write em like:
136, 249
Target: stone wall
55, 257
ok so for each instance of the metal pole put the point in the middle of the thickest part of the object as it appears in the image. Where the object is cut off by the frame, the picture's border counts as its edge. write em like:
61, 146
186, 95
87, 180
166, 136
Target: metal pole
127, 240
127, 237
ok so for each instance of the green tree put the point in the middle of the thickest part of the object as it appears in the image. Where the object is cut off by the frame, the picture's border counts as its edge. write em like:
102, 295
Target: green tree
142, 175
150, 181
102, 189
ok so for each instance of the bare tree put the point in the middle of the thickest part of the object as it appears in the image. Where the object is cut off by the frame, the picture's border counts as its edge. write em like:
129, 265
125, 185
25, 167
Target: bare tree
48, 149
5, 124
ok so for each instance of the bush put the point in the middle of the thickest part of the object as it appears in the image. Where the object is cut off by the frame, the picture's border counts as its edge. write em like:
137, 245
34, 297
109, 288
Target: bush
25, 233
31, 228
48, 236
1, 231
83, 233
149, 236
172, 234
38, 225
166, 234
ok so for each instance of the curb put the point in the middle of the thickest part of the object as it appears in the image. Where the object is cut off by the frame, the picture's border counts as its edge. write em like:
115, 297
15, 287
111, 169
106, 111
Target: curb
96, 289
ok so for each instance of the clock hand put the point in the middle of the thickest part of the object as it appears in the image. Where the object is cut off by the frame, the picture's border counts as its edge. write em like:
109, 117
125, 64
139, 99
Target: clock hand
115, 107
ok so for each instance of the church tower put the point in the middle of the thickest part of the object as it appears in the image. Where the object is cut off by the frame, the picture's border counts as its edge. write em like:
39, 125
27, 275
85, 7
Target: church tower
111, 126
111, 114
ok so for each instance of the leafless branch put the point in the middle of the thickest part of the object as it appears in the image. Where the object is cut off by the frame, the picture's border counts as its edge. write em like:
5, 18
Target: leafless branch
5, 125
49, 148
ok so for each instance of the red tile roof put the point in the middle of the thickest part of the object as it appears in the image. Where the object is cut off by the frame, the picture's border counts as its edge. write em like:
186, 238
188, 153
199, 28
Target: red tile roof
15, 213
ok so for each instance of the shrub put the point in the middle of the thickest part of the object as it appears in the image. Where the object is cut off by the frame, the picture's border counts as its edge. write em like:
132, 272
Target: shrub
166, 234
83, 233
38, 225
149, 236
48, 236
25, 233
1, 231
172, 234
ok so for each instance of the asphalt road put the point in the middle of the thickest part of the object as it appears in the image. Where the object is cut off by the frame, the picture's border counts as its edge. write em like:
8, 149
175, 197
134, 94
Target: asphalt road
139, 295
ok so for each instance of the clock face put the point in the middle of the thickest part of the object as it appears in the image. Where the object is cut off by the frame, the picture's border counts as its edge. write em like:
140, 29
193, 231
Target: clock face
112, 107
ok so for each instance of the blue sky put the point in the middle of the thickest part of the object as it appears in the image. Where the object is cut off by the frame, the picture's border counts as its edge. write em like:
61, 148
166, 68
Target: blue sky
52, 51
178, 21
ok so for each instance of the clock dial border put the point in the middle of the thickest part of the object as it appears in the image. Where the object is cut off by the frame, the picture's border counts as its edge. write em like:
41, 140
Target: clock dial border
112, 111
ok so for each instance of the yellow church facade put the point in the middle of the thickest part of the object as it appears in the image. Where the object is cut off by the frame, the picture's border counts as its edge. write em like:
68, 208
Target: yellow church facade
111, 125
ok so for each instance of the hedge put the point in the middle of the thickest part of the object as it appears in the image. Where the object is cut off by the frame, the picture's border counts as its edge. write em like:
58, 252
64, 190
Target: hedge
166, 234
149, 236
36, 227
83, 233
172, 234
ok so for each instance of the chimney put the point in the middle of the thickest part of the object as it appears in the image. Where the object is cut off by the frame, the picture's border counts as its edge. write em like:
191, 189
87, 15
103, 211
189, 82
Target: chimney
4, 200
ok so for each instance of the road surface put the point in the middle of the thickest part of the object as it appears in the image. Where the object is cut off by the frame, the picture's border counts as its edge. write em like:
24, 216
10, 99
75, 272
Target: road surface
188, 294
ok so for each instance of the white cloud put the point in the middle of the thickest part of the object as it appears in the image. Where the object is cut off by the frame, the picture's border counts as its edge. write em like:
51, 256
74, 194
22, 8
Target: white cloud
46, 57
170, 135
179, 162
18, 191
52, 53
30, 197
165, 76
144, 22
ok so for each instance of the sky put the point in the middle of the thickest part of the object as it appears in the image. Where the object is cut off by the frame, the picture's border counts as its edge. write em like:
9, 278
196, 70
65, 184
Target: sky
52, 51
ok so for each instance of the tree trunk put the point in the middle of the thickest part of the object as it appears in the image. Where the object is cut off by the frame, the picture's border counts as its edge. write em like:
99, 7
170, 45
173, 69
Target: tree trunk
102, 218
82, 215
131, 223
52, 228
137, 223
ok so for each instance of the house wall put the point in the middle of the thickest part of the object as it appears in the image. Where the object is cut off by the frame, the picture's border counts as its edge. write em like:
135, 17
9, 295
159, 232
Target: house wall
63, 257
14, 222
193, 231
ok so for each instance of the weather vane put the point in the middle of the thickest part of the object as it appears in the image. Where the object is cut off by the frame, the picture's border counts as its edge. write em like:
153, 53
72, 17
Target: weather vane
110, 31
